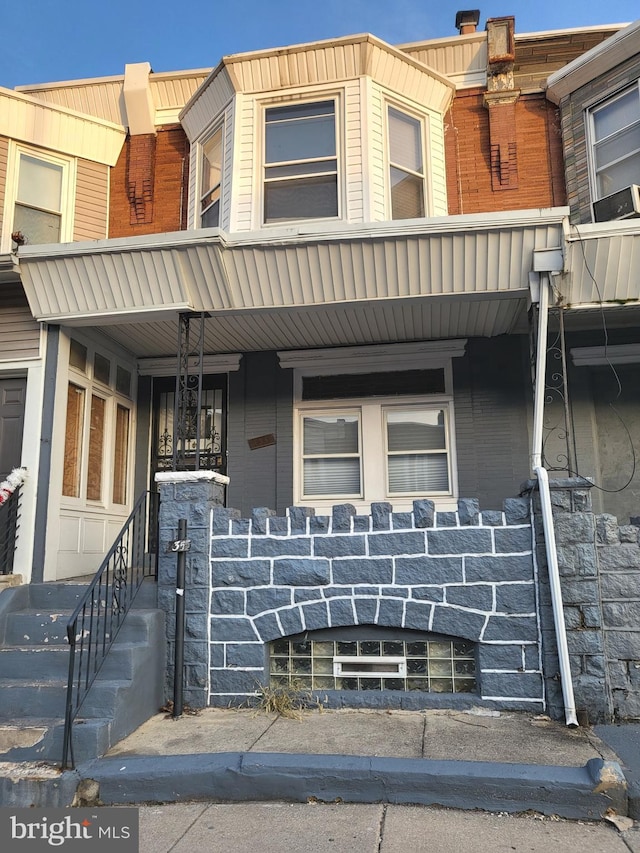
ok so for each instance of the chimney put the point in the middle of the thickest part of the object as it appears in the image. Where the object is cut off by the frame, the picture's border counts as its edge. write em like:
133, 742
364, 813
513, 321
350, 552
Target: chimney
467, 21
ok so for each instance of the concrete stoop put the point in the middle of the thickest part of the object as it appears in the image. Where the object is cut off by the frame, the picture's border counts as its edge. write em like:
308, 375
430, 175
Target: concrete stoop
34, 662
579, 793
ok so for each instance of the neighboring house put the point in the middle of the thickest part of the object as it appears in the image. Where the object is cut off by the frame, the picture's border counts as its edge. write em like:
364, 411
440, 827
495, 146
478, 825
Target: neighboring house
356, 233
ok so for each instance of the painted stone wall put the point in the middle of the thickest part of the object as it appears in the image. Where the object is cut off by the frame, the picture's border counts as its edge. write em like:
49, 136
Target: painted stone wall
599, 564
466, 574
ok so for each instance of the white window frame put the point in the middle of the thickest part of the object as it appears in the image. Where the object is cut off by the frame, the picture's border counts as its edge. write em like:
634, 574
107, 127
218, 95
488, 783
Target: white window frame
379, 358
93, 387
389, 164
591, 137
318, 97
68, 165
218, 127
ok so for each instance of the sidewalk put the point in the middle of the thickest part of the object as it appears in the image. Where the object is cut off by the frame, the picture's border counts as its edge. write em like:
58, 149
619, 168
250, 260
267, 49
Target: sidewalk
489, 760
508, 762
321, 828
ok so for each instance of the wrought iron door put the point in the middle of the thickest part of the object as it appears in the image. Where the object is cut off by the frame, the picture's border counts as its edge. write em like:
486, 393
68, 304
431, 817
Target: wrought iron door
211, 413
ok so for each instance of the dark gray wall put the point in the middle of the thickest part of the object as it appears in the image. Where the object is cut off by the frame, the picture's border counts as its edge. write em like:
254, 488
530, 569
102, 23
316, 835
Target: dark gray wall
491, 390
143, 431
260, 403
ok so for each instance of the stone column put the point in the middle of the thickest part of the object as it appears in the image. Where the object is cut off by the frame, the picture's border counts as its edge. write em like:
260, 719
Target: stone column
191, 495
575, 529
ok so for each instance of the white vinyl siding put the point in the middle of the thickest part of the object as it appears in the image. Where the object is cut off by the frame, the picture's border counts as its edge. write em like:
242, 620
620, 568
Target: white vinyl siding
19, 332
4, 153
92, 201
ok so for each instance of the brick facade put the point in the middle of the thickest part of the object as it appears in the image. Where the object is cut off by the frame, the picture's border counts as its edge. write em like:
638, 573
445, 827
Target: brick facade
149, 184
535, 155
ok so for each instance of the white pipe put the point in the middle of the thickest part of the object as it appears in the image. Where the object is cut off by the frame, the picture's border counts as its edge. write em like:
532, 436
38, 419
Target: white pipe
545, 503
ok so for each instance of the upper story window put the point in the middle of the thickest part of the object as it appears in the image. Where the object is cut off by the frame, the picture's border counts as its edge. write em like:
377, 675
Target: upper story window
406, 166
301, 163
615, 127
211, 176
37, 198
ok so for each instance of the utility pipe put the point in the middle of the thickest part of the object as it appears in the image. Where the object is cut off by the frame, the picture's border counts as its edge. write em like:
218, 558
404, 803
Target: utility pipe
545, 503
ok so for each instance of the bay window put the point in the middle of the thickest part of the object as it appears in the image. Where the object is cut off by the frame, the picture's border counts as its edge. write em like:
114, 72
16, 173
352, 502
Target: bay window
300, 162
615, 134
210, 180
406, 165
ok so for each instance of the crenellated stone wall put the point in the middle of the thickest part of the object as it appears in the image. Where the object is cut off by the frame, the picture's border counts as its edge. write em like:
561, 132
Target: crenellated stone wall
467, 574
462, 574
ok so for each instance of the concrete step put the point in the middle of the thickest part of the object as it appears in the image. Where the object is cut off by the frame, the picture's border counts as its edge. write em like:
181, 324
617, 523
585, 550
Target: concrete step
48, 698
41, 739
39, 627
52, 662
55, 597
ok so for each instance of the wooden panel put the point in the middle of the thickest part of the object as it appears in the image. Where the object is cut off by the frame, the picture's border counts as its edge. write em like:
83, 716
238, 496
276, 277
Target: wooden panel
92, 190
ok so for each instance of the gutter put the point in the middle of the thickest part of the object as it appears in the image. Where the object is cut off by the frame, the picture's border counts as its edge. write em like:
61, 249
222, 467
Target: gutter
544, 266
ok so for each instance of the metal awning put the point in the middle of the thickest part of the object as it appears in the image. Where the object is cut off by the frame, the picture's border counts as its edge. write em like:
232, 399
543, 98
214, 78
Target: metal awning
298, 287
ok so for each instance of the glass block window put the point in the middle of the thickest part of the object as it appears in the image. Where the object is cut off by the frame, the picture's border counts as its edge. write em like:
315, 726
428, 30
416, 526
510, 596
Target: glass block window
438, 665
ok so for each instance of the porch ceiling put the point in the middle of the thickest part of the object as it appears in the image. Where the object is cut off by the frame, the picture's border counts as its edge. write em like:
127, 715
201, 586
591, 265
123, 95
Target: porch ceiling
298, 287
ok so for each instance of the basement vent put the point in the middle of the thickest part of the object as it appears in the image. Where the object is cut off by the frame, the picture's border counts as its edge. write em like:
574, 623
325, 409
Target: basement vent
624, 204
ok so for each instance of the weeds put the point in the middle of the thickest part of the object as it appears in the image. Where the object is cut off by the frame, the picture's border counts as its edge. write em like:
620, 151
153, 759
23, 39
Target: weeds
287, 700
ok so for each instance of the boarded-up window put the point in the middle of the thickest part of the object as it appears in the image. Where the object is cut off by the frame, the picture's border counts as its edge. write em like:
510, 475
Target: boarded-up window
96, 445
73, 441
121, 454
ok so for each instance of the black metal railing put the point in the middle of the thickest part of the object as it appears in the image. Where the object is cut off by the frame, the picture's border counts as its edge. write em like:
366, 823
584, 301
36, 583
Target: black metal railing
9, 524
94, 624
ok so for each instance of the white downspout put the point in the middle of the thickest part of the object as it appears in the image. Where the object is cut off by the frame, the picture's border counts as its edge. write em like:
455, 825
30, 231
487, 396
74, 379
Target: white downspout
545, 502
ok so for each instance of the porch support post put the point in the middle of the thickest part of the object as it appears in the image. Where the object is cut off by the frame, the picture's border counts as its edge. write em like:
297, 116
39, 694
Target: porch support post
190, 495
188, 398
44, 466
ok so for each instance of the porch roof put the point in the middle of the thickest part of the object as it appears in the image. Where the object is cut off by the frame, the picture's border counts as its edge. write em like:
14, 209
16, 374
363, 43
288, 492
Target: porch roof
296, 287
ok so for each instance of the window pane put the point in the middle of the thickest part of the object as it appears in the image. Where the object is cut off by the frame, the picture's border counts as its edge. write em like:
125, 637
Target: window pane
37, 226
416, 430
123, 381
618, 177
330, 434
121, 456
332, 476
300, 132
407, 195
618, 146
101, 368
96, 445
617, 114
73, 441
78, 356
40, 183
297, 170
210, 181
405, 144
306, 198
418, 473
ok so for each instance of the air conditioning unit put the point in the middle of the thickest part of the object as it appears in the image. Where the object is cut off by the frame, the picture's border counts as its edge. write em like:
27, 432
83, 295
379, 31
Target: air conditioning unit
624, 204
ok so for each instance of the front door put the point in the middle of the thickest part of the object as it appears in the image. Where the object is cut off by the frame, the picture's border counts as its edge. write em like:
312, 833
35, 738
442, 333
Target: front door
12, 400
213, 426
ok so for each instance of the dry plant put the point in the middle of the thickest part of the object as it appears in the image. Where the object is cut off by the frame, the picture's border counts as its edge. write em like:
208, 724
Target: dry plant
287, 700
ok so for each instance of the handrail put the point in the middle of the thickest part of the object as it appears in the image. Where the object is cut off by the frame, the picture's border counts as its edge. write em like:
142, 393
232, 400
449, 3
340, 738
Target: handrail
9, 518
94, 624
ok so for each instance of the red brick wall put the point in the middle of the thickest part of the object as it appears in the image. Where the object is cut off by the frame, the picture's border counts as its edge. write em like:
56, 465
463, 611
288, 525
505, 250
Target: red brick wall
149, 184
538, 156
